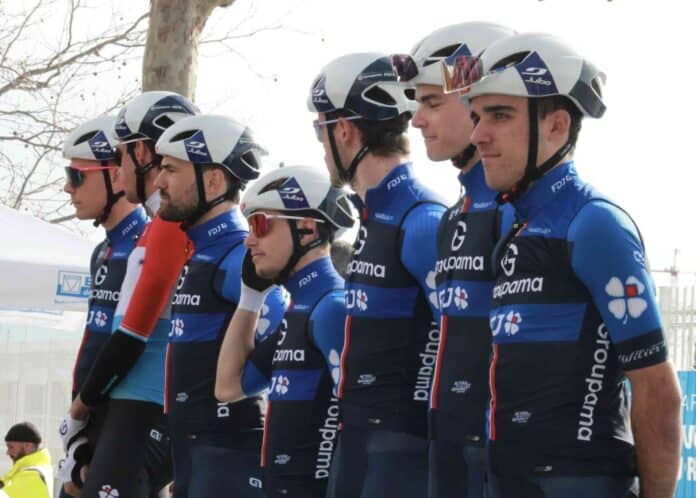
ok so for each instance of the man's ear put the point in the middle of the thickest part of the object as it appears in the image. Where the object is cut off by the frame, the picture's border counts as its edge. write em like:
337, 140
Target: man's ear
309, 225
347, 131
557, 126
142, 152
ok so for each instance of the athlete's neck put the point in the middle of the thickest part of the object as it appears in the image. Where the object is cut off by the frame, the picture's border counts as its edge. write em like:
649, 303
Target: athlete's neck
311, 256
216, 211
469, 164
372, 170
119, 211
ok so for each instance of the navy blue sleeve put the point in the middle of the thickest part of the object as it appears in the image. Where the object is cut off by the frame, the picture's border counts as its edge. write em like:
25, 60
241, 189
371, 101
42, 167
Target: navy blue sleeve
608, 257
419, 248
327, 325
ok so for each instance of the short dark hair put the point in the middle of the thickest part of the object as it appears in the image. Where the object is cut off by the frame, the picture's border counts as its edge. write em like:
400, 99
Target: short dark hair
234, 184
547, 105
382, 138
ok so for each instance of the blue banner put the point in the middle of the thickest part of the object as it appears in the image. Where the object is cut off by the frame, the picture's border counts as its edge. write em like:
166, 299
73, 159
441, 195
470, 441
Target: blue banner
686, 487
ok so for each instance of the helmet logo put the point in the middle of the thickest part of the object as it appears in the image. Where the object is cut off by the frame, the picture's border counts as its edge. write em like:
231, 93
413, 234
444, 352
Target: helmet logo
292, 196
100, 147
196, 149
536, 76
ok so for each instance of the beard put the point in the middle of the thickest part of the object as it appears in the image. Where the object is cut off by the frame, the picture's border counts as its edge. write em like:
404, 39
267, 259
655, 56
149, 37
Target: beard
170, 211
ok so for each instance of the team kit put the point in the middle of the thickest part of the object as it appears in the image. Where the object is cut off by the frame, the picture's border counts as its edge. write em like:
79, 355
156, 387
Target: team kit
506, 346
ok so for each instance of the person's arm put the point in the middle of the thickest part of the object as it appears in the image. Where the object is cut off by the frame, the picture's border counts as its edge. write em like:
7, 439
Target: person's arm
144, 295
234, 368
608, 257
656, 424
419, 249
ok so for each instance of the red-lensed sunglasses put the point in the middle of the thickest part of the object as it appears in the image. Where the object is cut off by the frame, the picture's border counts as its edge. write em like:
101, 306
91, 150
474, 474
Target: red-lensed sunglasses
260, 223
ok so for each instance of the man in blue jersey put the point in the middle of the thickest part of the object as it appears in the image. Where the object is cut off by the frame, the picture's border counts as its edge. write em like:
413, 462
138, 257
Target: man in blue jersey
574, 311
390, 338
293, 214
131, 446
207, 161
468, 233
94, 182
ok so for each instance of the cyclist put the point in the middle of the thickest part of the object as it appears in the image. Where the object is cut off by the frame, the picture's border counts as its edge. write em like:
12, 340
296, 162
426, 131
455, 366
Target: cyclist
293, 213
207, 161
468, 233
574, 312
390, 338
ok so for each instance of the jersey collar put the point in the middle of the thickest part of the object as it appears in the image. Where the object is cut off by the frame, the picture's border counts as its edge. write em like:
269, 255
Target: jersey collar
547, 188
313, 281
383, 194
211, 231
129, 228
474, 182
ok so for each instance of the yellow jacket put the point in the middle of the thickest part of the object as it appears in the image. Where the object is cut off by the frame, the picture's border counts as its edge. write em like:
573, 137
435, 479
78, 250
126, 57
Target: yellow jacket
30, 477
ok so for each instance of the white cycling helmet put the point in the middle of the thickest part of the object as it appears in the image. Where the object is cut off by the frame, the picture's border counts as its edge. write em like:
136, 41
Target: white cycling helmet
299, 189
213, 140
468, 38
532, 65
304, 192
92, 141
363, 84
146, 117
150, 113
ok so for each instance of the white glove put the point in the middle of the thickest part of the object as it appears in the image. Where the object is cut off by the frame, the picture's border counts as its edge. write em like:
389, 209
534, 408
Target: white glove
69, 467
69, 428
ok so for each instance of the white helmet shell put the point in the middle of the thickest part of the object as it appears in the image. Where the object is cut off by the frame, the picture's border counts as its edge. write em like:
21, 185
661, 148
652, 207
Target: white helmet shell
150, 113
535, 65
363, 84
299, 189
92, 141
213, 139
468, 38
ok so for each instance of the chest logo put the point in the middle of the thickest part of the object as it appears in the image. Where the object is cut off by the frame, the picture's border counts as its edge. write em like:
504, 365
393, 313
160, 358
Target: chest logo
508, 261
459, 235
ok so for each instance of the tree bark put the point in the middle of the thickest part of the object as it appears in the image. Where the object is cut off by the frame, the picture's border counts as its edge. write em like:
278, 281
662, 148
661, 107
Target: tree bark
171, 52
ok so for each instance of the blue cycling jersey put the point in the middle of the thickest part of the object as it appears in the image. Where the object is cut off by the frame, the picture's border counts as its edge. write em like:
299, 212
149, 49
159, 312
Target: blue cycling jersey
203, 304
107, 270
391, 341
468, 233
573, 309
301, 363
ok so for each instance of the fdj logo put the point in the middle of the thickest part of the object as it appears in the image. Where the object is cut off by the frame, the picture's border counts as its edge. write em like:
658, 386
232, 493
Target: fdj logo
182, 277
508, 261
101, 274
360, 243
356, 299
459, 235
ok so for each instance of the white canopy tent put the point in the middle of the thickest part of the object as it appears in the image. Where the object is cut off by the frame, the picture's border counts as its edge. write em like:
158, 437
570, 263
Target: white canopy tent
42, 266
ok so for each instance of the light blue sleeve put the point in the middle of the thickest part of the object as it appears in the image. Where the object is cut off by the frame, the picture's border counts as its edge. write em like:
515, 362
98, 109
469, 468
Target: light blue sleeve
328, 327
419, 248
608, 257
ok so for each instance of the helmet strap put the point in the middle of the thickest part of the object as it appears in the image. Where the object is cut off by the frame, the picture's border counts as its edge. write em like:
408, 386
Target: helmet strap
111, 197
298, 250
141, 170
532, 172
462, 159
346, 175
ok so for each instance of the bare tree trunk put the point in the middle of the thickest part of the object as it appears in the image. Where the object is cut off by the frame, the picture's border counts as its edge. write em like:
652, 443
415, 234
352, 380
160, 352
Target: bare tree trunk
171, 51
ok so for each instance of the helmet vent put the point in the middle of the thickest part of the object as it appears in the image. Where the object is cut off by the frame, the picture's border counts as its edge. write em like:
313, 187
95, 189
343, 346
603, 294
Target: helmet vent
377, 94
441, 54
163, 121
510, 60
183, 135
274, 185
249, 158
86, 137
